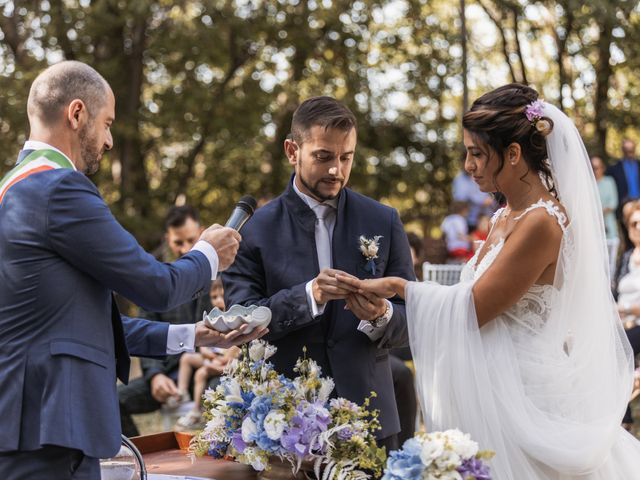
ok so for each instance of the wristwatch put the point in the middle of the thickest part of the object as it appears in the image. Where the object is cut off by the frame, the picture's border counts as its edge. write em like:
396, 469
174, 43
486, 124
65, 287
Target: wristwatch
384, 318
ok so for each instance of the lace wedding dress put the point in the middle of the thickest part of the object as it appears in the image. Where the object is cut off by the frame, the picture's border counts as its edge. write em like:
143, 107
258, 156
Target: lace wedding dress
545, 384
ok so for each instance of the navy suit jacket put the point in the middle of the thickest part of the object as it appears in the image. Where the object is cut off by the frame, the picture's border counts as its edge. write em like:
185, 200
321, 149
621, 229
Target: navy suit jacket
62, 339
620, 177
277, 257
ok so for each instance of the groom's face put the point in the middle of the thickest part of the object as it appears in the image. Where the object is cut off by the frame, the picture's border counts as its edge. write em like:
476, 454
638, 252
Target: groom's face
323, 161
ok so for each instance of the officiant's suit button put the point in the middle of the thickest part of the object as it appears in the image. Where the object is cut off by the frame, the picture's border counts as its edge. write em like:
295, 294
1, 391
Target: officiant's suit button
331, 343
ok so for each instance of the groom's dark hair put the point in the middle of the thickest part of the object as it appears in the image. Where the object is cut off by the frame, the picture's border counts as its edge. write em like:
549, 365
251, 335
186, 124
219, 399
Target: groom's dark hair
326, 112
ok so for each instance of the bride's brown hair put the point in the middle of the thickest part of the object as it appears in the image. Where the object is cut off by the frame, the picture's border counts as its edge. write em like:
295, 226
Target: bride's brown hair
498, 119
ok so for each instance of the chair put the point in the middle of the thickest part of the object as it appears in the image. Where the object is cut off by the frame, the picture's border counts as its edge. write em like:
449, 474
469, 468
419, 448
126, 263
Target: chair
612, 249
444, 274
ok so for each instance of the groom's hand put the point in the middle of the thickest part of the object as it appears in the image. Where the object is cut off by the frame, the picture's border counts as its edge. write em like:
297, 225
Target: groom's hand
326, 287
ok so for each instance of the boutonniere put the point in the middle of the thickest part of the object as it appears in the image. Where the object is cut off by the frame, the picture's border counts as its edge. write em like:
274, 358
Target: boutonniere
369, 248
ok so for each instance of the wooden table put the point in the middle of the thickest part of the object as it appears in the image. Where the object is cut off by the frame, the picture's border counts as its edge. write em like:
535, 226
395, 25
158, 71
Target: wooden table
162, 454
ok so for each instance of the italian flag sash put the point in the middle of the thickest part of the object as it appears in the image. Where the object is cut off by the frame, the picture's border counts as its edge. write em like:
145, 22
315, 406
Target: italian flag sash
36, 161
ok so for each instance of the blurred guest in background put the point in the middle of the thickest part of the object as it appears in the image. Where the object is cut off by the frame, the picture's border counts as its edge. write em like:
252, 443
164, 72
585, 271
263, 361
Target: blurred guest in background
608, 196
628, 285
481, 232
465, 190
208, 364
626, 173
456, 233
157, 386
416, 246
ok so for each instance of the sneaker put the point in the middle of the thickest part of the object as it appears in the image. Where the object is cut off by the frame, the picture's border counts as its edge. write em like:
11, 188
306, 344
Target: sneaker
191, 419
174, 402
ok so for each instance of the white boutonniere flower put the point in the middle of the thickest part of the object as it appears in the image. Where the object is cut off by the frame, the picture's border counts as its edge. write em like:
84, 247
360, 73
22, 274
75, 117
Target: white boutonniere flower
369, 248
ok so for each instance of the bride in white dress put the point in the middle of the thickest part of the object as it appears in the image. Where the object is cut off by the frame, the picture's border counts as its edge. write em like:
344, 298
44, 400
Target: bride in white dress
527, 353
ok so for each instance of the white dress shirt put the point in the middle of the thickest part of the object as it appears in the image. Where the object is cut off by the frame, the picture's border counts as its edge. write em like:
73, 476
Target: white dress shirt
374, 333
180, 338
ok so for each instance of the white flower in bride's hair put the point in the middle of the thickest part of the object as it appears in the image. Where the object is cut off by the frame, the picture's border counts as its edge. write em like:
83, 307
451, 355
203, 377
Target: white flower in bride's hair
370, 246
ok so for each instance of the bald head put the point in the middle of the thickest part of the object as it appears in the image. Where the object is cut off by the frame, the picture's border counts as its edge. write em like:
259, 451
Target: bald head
55, 88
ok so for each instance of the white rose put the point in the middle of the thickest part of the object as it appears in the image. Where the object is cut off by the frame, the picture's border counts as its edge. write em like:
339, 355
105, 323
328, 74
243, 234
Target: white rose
431, 449
372, 251
249, 430
461, 443
274, 424
256, 351
448, 459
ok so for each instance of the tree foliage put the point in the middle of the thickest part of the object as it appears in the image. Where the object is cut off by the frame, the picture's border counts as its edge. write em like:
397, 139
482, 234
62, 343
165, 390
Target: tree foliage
205, 89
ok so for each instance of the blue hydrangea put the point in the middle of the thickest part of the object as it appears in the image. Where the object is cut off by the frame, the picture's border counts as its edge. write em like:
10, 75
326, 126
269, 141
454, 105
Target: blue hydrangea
259, 408
405, 464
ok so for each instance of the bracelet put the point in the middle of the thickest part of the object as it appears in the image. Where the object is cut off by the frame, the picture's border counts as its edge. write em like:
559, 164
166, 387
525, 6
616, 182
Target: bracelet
382, 319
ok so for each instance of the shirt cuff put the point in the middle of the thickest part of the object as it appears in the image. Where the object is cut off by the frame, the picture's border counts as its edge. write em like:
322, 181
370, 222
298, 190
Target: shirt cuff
181, 338
375, 333
316, 310
211, 254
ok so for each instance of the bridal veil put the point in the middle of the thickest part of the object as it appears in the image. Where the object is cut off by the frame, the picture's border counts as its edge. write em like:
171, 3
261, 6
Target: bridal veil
549, 404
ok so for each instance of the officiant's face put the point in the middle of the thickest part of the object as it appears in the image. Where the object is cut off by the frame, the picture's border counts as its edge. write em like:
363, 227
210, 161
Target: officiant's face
323, 161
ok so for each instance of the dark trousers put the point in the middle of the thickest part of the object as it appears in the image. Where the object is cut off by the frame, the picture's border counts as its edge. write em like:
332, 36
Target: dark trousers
390, 443
49, 463
406, 400
135, 398
633, 334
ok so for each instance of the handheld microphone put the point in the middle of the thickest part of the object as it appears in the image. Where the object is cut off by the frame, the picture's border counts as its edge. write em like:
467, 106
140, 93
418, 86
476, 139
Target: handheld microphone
242, 212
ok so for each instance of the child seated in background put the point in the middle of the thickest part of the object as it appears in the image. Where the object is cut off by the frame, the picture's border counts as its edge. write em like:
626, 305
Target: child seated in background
207, 363
456, 233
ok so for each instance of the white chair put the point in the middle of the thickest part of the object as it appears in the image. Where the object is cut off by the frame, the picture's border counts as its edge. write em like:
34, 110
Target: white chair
444, 274
612, 248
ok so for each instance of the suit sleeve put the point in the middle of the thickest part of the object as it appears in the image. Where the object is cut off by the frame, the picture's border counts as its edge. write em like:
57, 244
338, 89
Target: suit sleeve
399, 265
244, 284
83, 231
145, 338
151, 366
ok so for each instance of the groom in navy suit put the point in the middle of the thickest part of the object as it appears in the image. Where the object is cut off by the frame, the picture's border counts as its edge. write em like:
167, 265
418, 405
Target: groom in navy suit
293, 247
62, 254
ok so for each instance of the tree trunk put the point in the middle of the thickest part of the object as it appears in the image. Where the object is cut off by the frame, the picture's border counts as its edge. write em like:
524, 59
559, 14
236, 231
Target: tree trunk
603, 75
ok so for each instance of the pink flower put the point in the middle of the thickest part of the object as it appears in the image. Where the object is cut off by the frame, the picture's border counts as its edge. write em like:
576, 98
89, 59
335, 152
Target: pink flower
535, 110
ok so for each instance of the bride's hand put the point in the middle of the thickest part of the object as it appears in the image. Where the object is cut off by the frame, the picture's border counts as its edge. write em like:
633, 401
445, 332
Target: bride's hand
385, 287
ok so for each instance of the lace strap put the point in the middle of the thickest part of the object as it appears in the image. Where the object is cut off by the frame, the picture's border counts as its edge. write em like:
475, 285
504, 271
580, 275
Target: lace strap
551, 208
496, 216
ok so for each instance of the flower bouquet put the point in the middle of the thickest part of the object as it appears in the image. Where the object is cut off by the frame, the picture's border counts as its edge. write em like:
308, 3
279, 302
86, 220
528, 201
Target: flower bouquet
449, 455
256, 415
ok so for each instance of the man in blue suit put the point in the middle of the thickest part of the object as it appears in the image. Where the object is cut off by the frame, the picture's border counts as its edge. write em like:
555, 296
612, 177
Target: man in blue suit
294, 246
62, 254
626, 173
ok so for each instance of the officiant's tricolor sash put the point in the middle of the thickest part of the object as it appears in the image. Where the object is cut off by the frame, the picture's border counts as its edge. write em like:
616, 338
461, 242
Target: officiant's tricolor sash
37, 161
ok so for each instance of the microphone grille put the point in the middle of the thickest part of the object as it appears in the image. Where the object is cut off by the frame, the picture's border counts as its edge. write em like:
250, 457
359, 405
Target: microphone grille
249, 201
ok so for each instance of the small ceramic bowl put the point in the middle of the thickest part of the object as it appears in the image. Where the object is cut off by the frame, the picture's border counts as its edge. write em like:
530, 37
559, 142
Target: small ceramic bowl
253, 316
